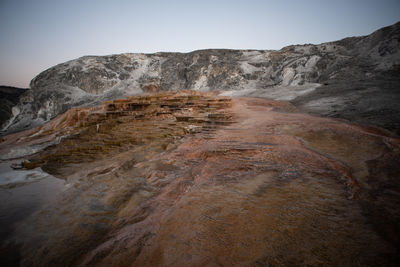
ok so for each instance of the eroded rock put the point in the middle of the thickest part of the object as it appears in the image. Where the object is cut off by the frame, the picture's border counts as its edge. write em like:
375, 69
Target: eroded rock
255, 184
367, 63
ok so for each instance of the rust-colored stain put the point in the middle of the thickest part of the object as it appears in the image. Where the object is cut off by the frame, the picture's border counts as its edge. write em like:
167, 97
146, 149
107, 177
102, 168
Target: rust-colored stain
193, 179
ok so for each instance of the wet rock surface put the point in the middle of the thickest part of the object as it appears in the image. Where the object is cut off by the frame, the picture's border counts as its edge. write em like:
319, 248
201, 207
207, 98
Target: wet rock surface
368, 63
190, 178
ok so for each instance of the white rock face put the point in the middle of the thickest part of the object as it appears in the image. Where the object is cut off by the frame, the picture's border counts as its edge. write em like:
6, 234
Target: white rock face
284, 74
288, 75
201, 84
15, 111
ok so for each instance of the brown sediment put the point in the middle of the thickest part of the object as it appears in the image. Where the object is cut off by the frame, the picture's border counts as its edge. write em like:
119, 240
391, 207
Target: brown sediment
119, 125
178, 179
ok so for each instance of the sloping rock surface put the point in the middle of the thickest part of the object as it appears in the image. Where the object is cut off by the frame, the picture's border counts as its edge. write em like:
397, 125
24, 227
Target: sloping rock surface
193, 179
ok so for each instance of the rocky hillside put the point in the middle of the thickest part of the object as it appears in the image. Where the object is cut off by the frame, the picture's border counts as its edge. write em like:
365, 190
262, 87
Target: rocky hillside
9, 97
358, 79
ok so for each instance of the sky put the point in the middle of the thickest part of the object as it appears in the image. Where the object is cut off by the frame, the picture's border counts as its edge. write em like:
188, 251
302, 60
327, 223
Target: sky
36, 35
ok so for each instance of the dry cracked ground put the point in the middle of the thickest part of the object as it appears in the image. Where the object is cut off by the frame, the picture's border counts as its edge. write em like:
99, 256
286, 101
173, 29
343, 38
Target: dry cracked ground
194, 179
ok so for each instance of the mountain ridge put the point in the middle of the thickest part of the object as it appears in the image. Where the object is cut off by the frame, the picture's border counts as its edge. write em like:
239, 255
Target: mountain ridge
286, 74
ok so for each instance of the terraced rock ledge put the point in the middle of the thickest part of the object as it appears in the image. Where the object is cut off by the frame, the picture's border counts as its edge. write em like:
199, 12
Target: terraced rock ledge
193, 179
156, 120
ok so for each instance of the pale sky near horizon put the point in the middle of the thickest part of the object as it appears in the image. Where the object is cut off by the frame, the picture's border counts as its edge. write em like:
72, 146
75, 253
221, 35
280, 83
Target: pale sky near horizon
36, 35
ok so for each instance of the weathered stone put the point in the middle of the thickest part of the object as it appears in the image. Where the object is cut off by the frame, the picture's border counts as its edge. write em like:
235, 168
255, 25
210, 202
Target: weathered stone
274, 187
9, 98
364, 64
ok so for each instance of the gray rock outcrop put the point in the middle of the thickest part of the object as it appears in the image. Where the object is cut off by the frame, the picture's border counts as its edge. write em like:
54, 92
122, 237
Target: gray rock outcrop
356, 78
9, 98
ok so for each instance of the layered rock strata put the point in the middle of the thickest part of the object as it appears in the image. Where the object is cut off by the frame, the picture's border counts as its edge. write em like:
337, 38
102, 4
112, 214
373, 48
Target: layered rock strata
188, 178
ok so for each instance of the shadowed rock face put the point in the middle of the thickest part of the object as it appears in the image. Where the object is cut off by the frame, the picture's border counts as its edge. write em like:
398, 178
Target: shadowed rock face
193, 179
9, 98
368, 64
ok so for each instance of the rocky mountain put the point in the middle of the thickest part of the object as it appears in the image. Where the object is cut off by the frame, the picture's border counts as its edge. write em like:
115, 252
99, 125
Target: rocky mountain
9, 98
356, 78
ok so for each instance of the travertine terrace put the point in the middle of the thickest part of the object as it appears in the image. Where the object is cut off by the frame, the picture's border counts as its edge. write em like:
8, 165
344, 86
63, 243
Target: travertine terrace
194, 179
